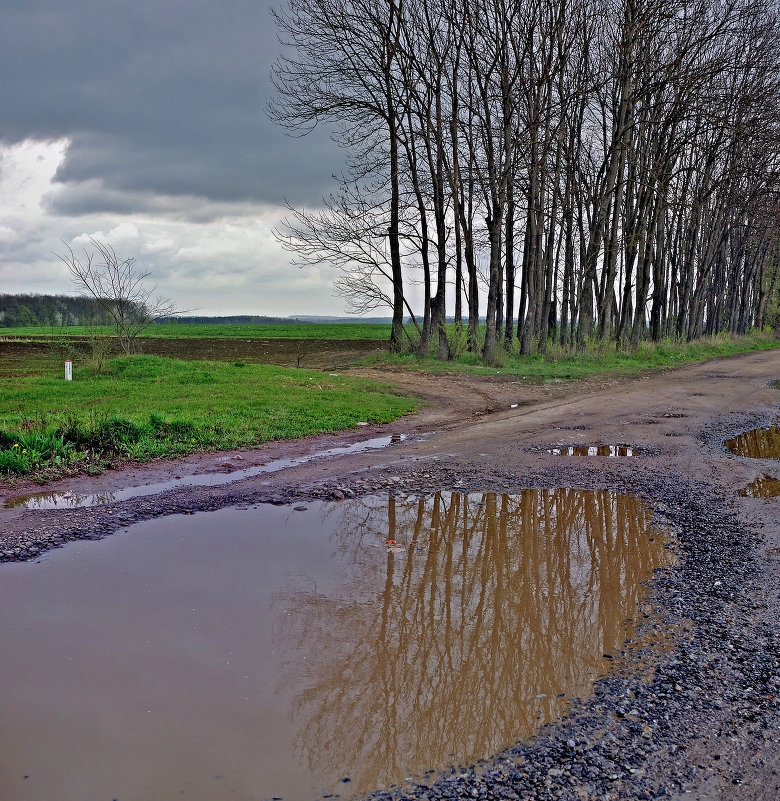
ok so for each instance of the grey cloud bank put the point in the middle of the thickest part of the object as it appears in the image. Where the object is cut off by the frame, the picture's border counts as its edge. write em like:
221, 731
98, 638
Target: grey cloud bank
152, 115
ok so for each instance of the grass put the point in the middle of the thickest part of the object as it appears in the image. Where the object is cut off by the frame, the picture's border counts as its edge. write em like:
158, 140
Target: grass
321, 331
142, 407
559, 364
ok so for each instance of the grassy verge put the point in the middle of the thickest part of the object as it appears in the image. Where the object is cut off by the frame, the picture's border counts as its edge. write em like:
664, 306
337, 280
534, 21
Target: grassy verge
601, 358
145, 406
318, 331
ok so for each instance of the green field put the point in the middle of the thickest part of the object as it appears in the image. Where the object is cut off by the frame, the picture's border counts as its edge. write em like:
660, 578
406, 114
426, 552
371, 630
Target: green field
603, 357
214, 394
322, 331
145, 406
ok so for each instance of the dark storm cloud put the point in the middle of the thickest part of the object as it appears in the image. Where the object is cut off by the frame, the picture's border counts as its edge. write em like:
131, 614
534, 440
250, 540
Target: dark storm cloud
156, 97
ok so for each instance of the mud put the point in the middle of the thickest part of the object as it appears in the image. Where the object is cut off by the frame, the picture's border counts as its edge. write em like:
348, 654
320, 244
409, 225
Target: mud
331, 610
700, 722
19, 358
228, 474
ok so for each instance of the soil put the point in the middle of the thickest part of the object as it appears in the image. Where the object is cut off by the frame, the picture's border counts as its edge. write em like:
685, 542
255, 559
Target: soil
699, 719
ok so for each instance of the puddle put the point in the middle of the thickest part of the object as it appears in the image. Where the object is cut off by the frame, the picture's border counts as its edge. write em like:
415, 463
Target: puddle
595, 450
275, 652
760, 443
69, 500
765, 487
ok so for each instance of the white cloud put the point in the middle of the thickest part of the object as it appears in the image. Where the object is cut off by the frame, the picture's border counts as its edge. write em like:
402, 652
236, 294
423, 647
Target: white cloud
217, 257
26, 172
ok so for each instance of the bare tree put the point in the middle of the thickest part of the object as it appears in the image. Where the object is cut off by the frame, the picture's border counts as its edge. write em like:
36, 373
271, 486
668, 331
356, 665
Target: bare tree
616, 161
120, 289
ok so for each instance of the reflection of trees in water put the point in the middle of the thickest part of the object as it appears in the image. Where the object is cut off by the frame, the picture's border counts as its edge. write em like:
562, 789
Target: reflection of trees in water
760, 443
443, 648
54, 500
765, 487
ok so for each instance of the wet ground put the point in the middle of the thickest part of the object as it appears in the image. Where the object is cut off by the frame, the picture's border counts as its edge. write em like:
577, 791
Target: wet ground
595, 450
696, 719
302, 650
228, 473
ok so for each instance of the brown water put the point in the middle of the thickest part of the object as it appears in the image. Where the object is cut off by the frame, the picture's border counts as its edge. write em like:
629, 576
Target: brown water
595, 450
271, 652
69, 500
765, 487
760, 443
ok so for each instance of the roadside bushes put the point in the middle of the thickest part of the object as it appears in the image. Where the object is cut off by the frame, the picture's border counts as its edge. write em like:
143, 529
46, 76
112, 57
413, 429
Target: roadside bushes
38, 443
24, 451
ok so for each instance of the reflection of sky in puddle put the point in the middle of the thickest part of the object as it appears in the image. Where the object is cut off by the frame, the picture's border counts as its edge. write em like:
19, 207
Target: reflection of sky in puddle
64, 500
595, 450
275, 652
760, 443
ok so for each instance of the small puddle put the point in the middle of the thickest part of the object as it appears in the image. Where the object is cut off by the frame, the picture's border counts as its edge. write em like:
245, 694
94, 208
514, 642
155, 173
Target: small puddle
765, 487
281, 652
760, 443
595, 450
69, 500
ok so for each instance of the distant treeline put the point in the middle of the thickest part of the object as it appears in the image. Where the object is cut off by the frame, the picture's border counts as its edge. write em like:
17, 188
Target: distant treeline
236, 319
62, 310
256, 319
49, 310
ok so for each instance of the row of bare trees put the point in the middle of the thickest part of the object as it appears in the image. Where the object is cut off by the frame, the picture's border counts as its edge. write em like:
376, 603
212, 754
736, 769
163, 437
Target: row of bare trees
566, 169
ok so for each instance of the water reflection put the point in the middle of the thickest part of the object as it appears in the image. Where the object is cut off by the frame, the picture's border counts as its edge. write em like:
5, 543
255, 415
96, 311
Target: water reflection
59, 500
463, 622
595, 450
760, 443
68, 500
765, 487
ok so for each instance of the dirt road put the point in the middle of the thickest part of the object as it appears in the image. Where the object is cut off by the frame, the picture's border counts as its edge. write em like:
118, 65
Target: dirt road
701, 723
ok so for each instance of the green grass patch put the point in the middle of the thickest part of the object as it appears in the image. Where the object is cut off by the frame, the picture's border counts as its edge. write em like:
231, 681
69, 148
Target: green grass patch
560, 364
321, 331
146, 406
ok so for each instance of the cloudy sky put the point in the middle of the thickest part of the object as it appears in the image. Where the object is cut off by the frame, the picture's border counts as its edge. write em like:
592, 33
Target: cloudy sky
142, 124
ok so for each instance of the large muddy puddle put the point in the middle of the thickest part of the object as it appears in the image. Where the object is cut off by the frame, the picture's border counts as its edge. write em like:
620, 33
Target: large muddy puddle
279, 652
759, 443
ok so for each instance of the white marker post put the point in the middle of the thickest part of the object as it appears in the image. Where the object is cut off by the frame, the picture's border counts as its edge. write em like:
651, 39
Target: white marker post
68, 370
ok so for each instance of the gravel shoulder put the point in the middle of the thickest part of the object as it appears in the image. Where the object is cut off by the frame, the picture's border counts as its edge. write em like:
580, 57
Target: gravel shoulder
695, 715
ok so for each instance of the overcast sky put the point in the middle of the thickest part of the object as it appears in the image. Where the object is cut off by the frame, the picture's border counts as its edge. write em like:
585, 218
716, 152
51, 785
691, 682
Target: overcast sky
142, 124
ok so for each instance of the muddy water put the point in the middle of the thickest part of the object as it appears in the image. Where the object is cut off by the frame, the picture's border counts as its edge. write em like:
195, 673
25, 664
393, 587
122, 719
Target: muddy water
70, 500
273, 652
595, 450
760, 443
764, 487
